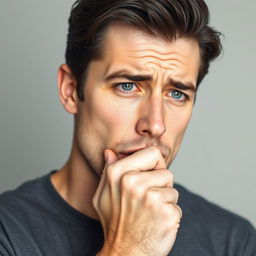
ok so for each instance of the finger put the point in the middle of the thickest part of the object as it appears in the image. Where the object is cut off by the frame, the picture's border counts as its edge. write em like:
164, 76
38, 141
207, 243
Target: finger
109, 157
163, 195
146, 180
147, 159
179, 209
156, 178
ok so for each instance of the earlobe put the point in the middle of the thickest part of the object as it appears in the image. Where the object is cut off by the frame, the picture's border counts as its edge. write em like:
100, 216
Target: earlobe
67, 89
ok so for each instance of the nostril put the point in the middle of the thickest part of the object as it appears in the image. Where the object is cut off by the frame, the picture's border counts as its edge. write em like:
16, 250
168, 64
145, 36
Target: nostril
146, 132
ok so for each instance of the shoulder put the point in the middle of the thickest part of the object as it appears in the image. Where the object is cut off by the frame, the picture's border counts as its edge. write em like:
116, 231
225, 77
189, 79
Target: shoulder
204, 222
18, 208
199, 208
27, 188
17, 201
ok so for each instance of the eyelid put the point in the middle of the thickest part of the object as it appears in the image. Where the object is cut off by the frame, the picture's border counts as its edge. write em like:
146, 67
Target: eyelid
125, 82
116, 85
187, 97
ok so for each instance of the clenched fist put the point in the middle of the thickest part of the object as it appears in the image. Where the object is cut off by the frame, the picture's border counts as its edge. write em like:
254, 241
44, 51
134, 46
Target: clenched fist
137, 204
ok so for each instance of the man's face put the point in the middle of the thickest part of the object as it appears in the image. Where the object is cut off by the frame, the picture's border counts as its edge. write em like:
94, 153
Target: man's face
139, 94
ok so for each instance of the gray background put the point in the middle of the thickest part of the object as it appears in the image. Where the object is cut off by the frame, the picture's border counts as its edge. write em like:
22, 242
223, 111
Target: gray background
217, 159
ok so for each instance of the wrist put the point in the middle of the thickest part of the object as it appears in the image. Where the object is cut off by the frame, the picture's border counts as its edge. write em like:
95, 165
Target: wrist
110, 251
106, 251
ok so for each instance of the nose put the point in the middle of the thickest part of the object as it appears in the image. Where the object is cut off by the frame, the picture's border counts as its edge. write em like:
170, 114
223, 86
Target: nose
151, 118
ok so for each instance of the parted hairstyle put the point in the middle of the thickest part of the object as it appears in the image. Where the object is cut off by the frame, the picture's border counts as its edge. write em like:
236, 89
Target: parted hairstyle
168, 19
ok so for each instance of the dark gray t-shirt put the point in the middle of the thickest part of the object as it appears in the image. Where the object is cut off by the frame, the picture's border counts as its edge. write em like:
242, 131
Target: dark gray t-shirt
36, 221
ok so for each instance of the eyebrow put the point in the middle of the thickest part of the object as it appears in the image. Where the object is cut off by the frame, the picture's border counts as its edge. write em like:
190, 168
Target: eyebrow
143, 78
126, 75
183, 86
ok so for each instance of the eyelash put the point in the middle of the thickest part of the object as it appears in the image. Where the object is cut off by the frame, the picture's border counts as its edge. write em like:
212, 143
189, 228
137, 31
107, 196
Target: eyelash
123, 91
129, 92
186, 97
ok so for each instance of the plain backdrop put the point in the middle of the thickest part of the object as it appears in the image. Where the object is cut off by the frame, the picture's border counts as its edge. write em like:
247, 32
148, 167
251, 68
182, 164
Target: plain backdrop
217, 159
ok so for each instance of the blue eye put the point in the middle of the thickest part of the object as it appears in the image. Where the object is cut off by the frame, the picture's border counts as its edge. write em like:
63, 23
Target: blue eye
177, 95
127, 86
126, 89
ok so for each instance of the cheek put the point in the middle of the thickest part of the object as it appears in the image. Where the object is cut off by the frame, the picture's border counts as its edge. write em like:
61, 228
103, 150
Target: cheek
110, 118
177, 123
183, 122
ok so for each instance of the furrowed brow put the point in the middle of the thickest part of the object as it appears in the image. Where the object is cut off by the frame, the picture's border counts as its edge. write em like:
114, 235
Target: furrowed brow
140, 78
128, 76
183, 86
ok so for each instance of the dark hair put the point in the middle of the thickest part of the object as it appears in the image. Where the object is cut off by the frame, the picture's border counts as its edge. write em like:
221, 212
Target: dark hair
169, 19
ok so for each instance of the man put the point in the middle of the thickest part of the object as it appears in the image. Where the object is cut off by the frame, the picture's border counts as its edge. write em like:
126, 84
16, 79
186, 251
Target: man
132, 71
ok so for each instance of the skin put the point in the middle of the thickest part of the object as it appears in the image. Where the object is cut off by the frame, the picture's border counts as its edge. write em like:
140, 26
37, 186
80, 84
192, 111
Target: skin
126, 134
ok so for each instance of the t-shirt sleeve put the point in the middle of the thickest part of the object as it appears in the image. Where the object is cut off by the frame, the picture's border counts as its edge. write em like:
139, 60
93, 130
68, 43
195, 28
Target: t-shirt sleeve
248, 241
243, 239
5, 244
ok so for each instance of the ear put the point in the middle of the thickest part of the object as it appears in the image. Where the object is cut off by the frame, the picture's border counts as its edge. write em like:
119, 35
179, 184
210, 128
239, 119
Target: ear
67, 89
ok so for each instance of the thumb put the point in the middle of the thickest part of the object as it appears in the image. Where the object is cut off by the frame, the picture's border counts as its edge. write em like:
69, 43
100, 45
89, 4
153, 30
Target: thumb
109, 156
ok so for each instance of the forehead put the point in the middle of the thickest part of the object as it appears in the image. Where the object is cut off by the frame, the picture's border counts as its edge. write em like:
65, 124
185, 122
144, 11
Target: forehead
127, 47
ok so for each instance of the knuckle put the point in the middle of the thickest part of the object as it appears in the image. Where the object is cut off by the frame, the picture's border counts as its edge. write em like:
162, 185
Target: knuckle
172, 209
179, 210
151, 199
171, 216
153, 196
129, 181
176, 212
171, 176
167, 213
176, 193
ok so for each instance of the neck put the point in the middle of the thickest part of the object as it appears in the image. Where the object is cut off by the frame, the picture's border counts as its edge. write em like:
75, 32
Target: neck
76, 183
